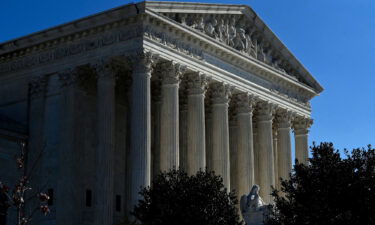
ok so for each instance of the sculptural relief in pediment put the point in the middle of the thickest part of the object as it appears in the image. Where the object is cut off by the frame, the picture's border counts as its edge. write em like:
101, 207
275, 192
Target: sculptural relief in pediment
238, 32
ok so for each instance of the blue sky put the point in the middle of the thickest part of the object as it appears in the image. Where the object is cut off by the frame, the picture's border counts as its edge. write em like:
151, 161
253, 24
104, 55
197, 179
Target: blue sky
334, 39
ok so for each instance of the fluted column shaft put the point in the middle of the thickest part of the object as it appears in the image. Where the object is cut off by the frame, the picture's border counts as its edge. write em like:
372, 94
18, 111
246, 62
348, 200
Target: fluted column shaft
275, 155
266, 165
245, 154
208, 118
156, 135
284, 145
104, 193
256, 151
220, 132
140, 146
196, 151
301, 132
169, 133
183, 133
233, 149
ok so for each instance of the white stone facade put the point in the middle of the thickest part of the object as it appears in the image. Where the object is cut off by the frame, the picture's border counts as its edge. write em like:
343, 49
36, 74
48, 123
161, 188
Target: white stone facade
119, 96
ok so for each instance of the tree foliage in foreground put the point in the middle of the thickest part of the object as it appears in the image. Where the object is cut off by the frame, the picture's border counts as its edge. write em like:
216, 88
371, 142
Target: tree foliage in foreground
330, 190
176, 198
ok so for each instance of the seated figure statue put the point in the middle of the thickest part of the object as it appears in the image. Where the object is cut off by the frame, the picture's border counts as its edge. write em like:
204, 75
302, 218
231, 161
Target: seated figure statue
253, 208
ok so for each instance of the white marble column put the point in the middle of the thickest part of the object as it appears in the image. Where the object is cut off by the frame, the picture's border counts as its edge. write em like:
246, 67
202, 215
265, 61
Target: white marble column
233, 149
183, 131
140, 148
68, 178
156, 104
301, 132
196, 144
245, 152
256, 151
275, 153
104, 182
208, 118
266, 161
169, 116
284, 147
220, 132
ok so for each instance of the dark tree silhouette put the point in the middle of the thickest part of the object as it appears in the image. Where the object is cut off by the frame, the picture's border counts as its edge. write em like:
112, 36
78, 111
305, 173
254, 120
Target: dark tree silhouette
329, 190
176, 198
21, 193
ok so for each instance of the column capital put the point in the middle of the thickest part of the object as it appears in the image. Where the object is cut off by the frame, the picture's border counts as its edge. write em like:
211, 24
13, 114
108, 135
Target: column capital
142, 62
284, 119
68, 77
171, 72
221, 93
301, 125
244, 103
196, 83
265, 111
105, 70
38, 86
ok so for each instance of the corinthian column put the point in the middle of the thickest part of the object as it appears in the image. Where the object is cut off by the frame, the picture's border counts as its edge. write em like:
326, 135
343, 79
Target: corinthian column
265, 145
104, 193
275, 154
196, 151
301, 132
284, 147
169, 139
220, 132
245, 154
140, 147
256, 151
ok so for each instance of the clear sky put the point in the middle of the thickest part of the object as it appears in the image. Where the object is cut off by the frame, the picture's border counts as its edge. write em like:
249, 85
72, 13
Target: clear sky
334, 39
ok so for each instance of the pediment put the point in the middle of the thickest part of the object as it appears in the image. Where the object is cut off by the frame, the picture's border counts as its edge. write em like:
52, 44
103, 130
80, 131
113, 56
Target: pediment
238, 27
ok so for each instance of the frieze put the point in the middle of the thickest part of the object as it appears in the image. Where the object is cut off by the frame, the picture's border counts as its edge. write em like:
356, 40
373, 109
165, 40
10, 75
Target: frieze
71, 49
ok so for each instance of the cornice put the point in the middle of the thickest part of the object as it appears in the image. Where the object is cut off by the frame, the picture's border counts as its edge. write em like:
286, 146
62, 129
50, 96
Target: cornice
74, 44
68, 30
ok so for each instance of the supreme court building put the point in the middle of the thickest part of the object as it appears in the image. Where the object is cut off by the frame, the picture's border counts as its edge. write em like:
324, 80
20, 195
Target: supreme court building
116, 97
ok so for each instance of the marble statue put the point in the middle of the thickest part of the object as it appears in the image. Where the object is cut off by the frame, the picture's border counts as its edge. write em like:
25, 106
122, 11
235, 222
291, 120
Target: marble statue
253, 207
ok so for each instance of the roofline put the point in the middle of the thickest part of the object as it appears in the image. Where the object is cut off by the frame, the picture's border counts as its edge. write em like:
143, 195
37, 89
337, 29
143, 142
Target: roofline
74, 26
248, 11
74, 23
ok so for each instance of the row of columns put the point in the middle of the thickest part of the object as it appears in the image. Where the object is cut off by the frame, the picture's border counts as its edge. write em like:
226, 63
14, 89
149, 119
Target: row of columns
255, 148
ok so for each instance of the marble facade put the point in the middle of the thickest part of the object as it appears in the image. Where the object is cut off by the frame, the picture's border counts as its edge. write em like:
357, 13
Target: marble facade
119, 96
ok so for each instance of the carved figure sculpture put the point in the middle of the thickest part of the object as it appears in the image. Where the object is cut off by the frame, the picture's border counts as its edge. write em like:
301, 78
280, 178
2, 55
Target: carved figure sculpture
232, 32
199, 24
261, 55
268, 58
222, 28
253, 208
240, 40
210, 28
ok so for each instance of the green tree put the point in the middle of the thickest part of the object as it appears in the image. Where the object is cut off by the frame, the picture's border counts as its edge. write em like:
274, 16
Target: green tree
329, 190
176, 198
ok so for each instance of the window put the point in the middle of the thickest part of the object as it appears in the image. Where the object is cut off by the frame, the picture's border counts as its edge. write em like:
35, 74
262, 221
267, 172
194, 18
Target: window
118, 203
50, 194
88, 198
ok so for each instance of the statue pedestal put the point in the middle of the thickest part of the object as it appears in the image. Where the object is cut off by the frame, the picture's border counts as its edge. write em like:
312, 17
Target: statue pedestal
255, 218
